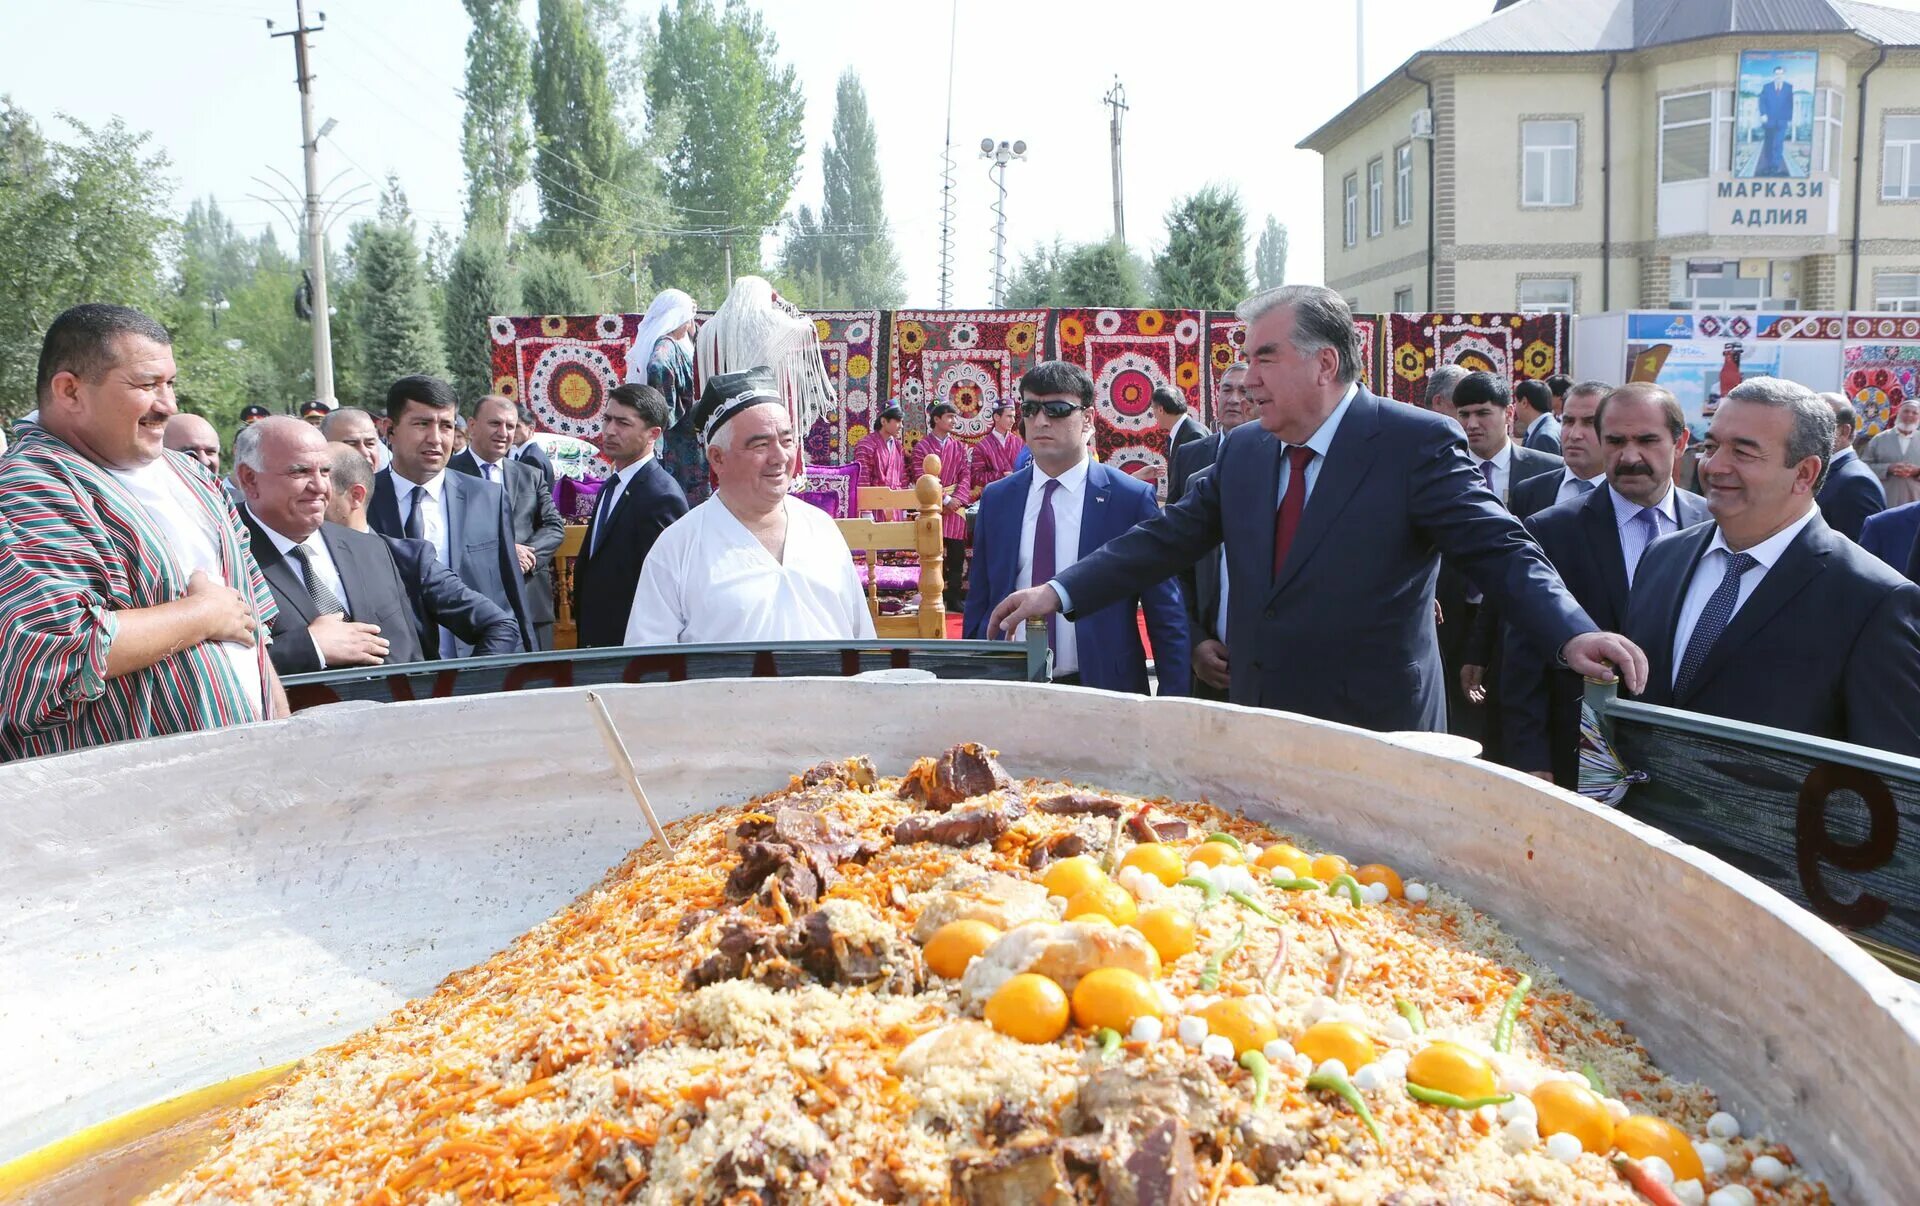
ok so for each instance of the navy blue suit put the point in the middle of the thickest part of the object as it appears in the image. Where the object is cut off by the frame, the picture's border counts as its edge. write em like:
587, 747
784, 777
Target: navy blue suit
1345, 631
1539, 701
441, 600
1850, 495
606, 577
1828, 643
1108, 636
479, 542
1894, 537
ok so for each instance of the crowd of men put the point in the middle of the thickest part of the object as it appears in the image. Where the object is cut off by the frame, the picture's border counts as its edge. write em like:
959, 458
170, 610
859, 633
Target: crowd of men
1455, 566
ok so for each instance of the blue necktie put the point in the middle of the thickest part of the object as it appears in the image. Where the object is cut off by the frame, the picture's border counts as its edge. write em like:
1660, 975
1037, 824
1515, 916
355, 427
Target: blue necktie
1649, 522
1713, 621
1044, 538
416, 525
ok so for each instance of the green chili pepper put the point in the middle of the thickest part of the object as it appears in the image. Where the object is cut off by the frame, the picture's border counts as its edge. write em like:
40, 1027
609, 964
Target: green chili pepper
1436, 1097
1228, 838
1329, 1083
1256, 1063
1411, 1012
1109, 1040
1211, 976
1253, 904
1503, 1029
1347, 884
1593, 1080
1205, 885
1287, 884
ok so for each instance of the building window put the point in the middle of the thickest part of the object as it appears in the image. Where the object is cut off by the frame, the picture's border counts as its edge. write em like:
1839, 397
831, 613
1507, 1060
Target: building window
1547, 295
1900, 159
1403, 300
1350, 218
1686, 137
1403, 184
1897, 291
1376, 197
1547, 162
1828, 108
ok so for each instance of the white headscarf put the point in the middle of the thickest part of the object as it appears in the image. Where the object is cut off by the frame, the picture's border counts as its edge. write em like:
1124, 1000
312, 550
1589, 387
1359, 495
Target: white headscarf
754, 327
671, 310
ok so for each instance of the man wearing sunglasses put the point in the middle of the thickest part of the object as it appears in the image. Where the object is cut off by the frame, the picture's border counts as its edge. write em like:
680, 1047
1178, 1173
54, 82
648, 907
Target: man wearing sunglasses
1044, 517
1334, 511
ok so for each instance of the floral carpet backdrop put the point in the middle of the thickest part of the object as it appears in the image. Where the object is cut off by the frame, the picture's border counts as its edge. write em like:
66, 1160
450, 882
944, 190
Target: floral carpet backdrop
1129, 354
971, 358
1521, 347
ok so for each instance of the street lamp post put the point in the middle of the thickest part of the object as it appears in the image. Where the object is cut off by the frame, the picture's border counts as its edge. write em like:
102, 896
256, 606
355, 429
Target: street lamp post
1001, 154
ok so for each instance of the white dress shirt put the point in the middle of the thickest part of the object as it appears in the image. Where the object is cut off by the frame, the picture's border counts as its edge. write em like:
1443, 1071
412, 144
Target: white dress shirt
323, 567
1069, 502
1320, 441
1572, 487
434, 526
611, 492
1633, 536
492, 471
194, 544
1502, 462
1713, 567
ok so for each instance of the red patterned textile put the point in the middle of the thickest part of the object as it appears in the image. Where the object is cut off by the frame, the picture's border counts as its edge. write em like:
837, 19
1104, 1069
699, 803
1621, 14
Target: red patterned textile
1130, 353
967, 357
1523, 347
562, 366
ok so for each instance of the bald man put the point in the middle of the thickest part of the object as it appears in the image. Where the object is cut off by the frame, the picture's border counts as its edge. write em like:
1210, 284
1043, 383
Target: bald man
356, 429
196, 437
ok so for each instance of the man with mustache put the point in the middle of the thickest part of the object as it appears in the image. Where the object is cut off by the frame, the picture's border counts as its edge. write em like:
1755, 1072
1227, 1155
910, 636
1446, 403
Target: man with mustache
130, 604
1596, 542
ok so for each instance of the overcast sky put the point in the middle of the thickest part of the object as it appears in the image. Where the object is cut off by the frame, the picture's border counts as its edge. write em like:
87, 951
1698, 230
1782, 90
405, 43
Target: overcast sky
1219, 92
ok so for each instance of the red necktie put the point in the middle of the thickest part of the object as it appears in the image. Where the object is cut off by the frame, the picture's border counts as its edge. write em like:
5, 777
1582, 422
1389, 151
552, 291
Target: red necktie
1287, 521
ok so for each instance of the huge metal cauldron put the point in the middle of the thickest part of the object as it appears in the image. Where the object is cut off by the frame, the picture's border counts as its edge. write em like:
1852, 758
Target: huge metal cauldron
177, 912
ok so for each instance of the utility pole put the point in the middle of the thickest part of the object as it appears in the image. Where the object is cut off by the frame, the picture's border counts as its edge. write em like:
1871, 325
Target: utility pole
316, 234
1359, 47
633, 275
729, 252
947, 169
1116, 99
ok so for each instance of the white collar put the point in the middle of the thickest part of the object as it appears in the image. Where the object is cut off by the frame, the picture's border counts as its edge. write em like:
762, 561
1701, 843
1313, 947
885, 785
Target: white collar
1499, 460
432, 485
626, 475
1322, 439
1624, 508
1073, 480
483, 462
282, 544
1839, 456
1535, 425
1769, 550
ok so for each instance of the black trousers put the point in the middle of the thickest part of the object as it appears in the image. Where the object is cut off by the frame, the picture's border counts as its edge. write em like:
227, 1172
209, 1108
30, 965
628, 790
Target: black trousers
956, 572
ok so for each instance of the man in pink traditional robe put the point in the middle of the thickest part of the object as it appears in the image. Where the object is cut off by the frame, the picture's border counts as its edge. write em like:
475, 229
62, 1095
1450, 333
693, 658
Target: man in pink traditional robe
956, 472
994, 453
883, 458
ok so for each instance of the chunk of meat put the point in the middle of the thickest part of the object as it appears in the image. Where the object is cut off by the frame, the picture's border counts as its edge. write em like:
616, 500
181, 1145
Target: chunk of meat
1062, 953
851, 772
1115, 1099
968, 893
1007, 1121
1060, 846
1079, 803
1026, 1172
798, 849
1150, 826
842, 943
964, 826
962, 773
1154, 1166
1267, 1147
747, 949
792, 1168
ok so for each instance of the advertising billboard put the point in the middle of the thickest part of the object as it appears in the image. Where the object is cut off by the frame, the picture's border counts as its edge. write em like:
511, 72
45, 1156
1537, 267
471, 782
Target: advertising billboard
1773, 135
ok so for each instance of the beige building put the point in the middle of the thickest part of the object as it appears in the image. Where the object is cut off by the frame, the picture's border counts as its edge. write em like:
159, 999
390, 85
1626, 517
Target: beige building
1589, 155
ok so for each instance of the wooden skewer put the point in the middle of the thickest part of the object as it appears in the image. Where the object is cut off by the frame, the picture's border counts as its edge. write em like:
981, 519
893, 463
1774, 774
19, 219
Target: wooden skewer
624, 764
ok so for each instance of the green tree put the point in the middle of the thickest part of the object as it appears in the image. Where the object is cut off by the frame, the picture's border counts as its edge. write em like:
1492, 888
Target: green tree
82, 220
1036, 282
555, 282
1270, 256
1101, 274
733, 167
847, 252
580, 151
1204, 264
495, 142
392, 306
622, 36
480, 284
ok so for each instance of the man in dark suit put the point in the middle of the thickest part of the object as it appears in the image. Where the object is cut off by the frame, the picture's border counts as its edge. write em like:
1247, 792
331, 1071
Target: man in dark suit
636, 504
436, 597
1852, 494
341, 601
525, 450
1776, 125
1483, 406
1596, 542
1894, 537
1204, 586
536, 523
463, 518
1585, 469
1334, 511
1768, 616
1534, 423
1039, 521
1171, 412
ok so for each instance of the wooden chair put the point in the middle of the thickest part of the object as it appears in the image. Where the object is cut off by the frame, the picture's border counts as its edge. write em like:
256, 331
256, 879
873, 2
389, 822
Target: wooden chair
922, 535
566, 632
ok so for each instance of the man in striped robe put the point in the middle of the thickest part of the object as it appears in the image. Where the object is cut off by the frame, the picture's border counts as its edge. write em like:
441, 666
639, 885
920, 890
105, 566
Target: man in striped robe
130, 605
996, 453
955, 472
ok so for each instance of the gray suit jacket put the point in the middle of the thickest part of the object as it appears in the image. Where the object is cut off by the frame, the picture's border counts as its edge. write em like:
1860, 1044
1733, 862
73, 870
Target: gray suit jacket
479, 541
375, 595
536, 524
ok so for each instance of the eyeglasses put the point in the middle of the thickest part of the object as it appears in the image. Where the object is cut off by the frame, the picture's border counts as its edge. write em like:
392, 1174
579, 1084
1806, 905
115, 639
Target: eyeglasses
1055, 410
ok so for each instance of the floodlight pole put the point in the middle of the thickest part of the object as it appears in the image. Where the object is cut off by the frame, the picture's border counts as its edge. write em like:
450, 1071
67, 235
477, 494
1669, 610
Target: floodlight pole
1001, 154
